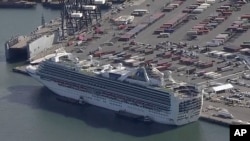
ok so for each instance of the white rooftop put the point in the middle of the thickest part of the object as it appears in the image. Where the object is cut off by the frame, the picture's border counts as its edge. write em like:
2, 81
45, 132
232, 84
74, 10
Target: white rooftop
223, 87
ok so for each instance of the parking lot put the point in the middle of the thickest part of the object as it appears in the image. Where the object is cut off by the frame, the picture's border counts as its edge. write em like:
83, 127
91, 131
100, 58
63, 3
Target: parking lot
190, 61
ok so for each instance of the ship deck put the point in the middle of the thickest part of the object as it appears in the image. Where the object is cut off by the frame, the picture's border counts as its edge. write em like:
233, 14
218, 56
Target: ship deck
23, 41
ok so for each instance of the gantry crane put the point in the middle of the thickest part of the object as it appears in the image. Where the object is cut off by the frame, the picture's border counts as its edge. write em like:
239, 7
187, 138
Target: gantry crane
78, 15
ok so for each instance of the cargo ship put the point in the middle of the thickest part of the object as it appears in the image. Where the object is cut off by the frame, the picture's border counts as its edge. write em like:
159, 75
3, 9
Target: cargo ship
26, 47
17, 4
143, 91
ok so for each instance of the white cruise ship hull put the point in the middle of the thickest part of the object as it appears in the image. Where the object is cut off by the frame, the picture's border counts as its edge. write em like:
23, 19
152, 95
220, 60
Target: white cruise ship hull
115, 105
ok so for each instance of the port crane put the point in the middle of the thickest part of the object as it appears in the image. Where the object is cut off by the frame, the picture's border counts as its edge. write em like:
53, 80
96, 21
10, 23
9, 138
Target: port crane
79, 15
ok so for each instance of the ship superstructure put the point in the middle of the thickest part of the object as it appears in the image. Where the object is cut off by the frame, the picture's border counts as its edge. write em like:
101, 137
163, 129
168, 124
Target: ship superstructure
141, 91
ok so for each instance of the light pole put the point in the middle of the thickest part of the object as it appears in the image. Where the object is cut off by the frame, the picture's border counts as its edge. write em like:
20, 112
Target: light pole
149, 11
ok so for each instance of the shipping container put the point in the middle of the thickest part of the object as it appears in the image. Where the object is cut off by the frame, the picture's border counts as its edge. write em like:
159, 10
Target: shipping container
229, 56
162, 68
149, 51
159, 30
206, 4
219, 54
207, 65
197, 11
175, 21
202, 7
139, 12
212, 75
176, 57
222, 36
211, 1
225, 68
220, 19
219, 41
232, 48
162, 64
99, 1
226, 7
245, 44
213, 44
187, 61
89, 7
168, 8
167, 55
246, 16
192, 32
76, 15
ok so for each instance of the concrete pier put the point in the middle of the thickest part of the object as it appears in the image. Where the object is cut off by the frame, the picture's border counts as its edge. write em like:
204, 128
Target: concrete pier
219, 121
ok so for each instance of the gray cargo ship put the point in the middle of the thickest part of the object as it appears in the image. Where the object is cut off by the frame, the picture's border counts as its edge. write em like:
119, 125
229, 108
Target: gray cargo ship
26, 47
17, 4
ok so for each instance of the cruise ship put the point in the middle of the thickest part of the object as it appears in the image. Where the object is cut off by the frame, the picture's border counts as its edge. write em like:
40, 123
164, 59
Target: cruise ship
142, 91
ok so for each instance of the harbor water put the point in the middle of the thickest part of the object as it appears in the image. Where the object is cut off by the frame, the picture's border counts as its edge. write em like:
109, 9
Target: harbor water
30, 112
